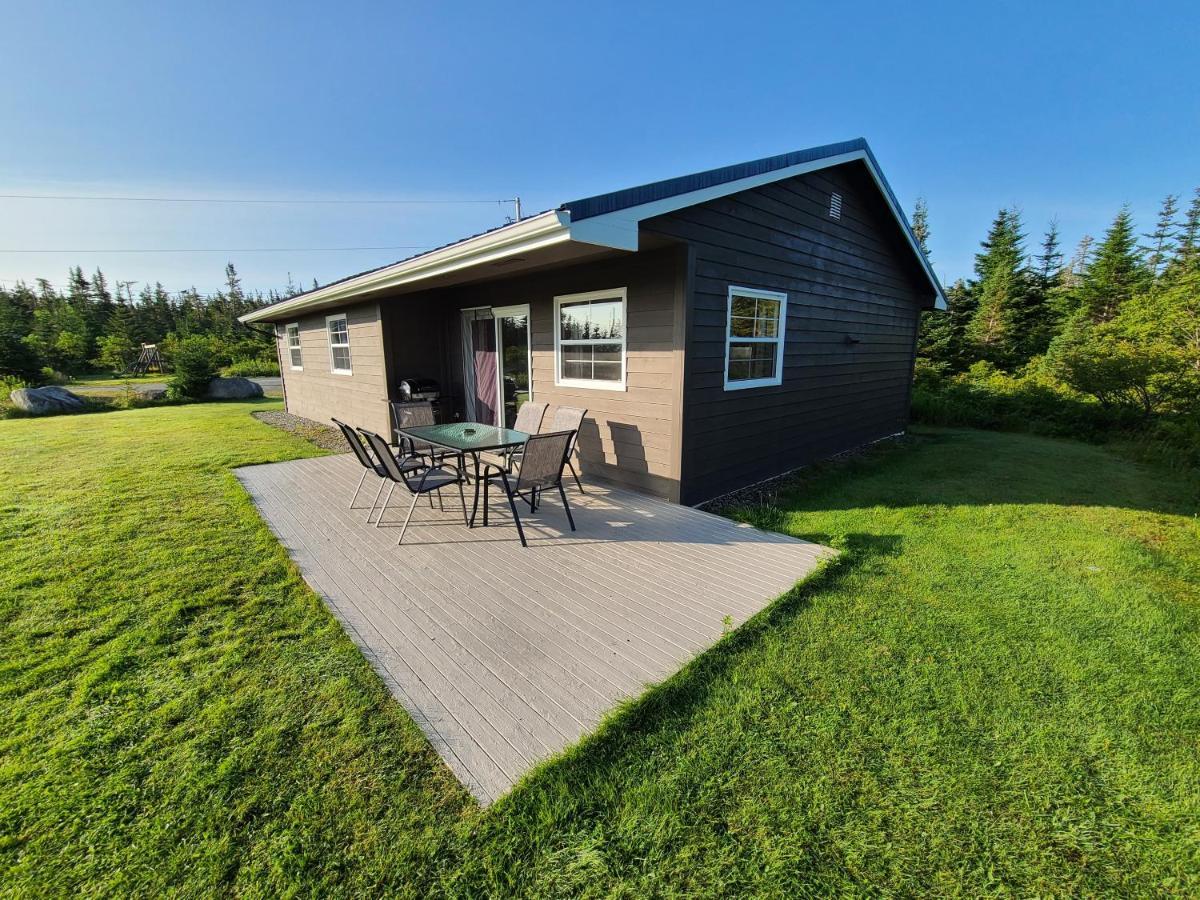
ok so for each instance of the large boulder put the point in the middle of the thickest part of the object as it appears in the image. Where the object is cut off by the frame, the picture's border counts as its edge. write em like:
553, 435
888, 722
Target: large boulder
43, 400
150, 393
233, 389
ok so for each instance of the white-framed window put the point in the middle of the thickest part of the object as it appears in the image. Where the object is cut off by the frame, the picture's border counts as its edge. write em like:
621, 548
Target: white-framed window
339, 344
589, 340
754, 335
295, 357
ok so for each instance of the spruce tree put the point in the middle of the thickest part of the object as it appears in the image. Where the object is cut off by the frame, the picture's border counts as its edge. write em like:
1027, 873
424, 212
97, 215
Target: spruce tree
920, 225
102, 300
17, 358
1161, 240
1115, 274
233, 284
1050, 260
1082, 259
1001, 292
935, 338
1187, 249
943, 336
1036, 316
118, 347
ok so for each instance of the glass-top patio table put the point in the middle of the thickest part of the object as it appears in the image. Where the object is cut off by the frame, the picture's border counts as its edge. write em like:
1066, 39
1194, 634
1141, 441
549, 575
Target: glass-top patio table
467, 437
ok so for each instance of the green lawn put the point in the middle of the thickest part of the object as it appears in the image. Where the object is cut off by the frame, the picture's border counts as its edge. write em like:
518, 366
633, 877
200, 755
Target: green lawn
995, 690
108, 381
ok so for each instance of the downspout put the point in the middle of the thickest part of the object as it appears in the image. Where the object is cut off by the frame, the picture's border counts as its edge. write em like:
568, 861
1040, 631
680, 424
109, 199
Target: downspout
274, 333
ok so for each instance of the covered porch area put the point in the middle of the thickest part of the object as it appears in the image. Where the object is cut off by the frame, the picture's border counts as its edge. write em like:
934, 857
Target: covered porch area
505, 656
602, 335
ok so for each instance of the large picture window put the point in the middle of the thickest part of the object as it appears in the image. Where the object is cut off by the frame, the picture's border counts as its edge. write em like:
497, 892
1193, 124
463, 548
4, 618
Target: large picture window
589, 340
339, 345
754, 337
295, 356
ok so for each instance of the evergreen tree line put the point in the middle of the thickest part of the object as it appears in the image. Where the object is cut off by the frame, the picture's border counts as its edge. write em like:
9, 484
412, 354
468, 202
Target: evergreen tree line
89, 327
1118, 320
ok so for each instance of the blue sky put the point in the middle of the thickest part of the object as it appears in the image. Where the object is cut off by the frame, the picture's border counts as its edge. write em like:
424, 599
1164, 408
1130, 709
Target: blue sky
1066, 110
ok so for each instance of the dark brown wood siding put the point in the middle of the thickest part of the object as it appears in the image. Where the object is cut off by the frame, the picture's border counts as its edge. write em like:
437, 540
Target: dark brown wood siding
847, 279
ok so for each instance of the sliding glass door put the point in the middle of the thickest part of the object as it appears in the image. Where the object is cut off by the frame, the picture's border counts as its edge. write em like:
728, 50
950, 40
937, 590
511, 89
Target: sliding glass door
513, 363
496, 363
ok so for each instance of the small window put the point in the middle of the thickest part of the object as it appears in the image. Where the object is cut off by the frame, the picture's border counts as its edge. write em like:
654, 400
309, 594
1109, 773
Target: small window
293, 344
589, 340
339, 345
754, 338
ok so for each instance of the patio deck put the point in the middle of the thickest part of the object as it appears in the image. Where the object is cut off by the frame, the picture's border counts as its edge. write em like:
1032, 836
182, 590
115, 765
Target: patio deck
504, 655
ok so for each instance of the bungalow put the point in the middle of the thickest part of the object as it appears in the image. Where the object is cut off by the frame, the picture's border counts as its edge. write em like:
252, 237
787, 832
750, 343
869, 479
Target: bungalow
721, 327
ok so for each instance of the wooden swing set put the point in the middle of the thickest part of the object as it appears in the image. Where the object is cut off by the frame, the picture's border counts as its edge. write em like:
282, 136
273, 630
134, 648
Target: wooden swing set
149, 360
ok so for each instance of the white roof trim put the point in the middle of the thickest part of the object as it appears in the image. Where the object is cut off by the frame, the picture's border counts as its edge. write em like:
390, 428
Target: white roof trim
618, 230
530, 234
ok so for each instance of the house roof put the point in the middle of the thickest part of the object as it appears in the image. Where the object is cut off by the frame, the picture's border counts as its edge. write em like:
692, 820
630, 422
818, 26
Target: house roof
608, 220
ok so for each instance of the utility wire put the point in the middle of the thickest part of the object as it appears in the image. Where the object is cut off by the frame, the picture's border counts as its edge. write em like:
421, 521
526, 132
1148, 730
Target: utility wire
233, 250
230, 199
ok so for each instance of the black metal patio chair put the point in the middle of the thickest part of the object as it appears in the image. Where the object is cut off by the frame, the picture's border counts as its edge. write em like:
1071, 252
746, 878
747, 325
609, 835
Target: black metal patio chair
411, 414
430, 479
569, 418
529, 420
368, 463
542, 461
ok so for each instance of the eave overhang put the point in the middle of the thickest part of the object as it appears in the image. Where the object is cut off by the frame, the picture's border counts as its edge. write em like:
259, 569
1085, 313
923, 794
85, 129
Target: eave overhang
605, 221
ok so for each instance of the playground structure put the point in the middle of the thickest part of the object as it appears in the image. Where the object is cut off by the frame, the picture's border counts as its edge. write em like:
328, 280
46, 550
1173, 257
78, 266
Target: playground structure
149, 360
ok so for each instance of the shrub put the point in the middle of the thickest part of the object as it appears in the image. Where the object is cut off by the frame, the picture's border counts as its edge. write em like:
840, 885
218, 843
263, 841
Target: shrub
117, 352
10, 383
984, 397
1173, 442
1102, 361
256, 367
194, 369
17, 358
53, 376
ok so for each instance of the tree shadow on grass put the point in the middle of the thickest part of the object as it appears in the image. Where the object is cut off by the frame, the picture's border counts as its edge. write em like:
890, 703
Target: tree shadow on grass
946, 468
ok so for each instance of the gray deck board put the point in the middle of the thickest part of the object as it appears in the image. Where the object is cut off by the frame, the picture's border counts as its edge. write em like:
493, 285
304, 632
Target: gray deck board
505, 655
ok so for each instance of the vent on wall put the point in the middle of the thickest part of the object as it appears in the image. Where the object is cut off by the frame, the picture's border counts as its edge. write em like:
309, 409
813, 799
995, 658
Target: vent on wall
835, 206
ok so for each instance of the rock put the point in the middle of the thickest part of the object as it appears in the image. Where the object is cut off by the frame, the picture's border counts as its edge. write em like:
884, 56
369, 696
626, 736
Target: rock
43, 400
150, 393
233, 389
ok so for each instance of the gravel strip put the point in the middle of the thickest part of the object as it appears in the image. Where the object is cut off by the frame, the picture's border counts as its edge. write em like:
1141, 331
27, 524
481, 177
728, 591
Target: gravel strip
324, 436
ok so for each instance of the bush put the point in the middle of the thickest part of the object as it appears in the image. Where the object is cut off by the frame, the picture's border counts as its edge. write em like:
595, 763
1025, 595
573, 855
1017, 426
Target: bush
10, 383
53, 376
257, 367
1172, 442
194, 369
984, 397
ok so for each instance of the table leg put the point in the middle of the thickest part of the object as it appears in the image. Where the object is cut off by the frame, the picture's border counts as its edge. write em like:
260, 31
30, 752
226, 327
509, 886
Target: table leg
475, 502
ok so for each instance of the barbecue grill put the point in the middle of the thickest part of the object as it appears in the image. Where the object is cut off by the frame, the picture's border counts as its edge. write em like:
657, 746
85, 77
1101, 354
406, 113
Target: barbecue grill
414, 390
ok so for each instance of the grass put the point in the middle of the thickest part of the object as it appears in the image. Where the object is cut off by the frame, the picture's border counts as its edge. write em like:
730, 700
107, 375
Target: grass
993, 691
109, 381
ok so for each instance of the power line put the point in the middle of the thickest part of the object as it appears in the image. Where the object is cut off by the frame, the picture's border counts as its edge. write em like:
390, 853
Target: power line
229, 250
235, 199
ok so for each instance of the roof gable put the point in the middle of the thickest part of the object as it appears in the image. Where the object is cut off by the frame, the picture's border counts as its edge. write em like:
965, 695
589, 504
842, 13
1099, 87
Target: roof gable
612, 219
